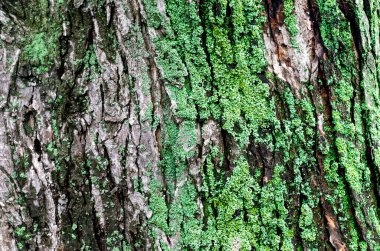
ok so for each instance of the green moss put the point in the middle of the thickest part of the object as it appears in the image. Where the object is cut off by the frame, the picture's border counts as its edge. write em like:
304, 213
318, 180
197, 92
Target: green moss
240, 213
235, 210
39, 52
186, 218
113, 240
23, 236
291, 20
274, 213
211, 70
41, 46
236, 51
158, 206
347, 119
307, 224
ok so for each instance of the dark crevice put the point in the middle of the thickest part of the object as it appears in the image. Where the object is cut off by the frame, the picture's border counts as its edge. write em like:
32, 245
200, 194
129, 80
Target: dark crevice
102, 97
29, 122
297, 229
228, 22
118, 85
14, 8
350, 15
367, 9
274, 7
216, 7
112, 14
315, 17
37, 147
226, 158
352, 108
203, 18
108, 168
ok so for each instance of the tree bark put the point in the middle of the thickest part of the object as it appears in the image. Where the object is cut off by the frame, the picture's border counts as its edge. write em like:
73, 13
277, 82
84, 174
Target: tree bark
189, 125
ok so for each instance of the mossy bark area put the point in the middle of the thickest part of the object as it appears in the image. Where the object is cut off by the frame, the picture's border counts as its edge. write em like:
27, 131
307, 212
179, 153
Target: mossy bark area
190, 125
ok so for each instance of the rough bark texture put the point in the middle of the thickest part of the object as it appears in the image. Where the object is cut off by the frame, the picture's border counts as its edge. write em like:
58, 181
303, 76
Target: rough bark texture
189, 125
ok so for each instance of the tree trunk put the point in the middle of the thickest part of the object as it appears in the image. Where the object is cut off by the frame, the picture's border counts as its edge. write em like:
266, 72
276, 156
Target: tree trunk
190, 125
